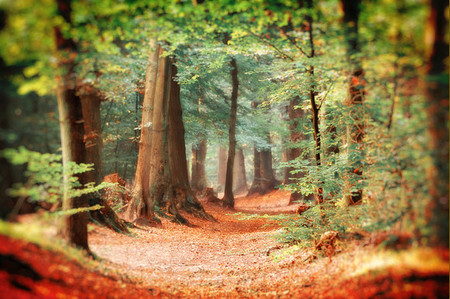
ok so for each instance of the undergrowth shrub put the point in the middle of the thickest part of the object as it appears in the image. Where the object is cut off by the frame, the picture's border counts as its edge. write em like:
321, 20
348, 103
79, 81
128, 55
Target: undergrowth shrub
44, 183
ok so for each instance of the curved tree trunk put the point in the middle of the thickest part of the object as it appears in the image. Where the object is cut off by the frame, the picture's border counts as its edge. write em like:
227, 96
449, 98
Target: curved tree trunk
228, 198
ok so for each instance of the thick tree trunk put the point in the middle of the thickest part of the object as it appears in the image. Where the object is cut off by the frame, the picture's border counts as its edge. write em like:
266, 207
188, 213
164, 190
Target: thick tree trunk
222, 167
437, 92
228, 198
356, 88
239, 176
73, 227
168, 178
90, 103
141, 205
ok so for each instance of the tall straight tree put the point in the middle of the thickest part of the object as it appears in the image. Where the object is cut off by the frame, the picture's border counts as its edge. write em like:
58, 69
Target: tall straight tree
141, 203
356, 91
73, 227
228, 198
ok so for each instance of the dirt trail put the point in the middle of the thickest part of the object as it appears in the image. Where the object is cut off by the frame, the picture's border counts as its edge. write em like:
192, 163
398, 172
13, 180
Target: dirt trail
227, 256
225, 259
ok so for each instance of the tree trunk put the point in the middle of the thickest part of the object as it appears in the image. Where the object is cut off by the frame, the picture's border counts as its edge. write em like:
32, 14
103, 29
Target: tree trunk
90, 104
256, 186
222, 167
198, 158
228, 199
296, 116
356, 88
314, 108
168, 179
239, 176
73, 227
437, 96
268, 178
141, 205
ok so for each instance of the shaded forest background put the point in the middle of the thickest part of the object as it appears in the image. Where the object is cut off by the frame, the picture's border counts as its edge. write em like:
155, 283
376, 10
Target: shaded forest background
343, 103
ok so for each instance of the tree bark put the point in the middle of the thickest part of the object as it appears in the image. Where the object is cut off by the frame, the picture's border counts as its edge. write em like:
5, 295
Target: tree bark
256, 186
74, 227
267, 173
437, 93
228, 199
294, 151
141, 205
222, 167
90, 103
198, 158
239, 176
356, 92
168, 178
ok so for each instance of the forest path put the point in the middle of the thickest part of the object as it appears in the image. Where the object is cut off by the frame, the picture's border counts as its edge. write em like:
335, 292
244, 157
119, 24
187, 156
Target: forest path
239, 258
230, 255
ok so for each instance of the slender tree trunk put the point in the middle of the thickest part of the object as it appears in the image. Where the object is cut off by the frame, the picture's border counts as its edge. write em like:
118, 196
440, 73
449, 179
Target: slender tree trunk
314, 108
239, 176
141, 206
356, 88
73, 227
228, 199
222, 167
437, 92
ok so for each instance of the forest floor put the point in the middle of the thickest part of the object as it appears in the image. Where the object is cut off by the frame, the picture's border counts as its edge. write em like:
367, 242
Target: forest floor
230, 258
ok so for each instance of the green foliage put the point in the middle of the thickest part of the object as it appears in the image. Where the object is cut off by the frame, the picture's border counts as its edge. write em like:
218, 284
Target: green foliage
44, 178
